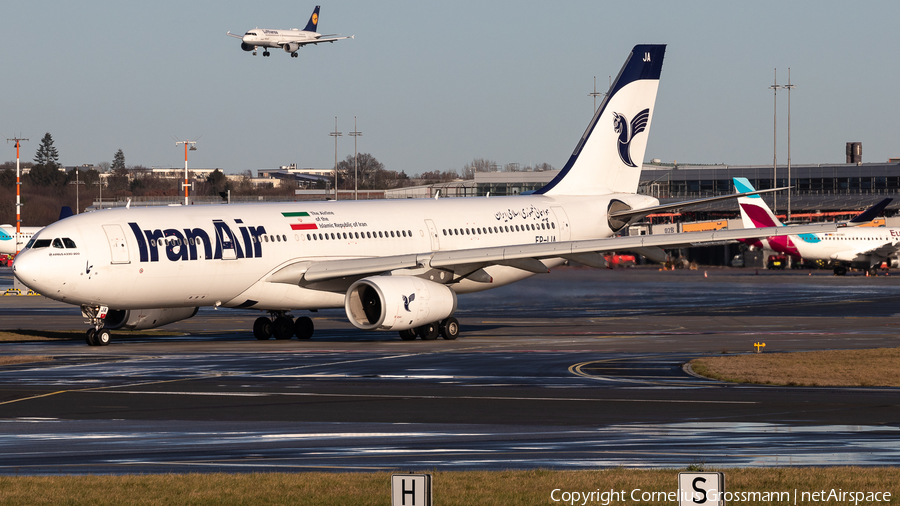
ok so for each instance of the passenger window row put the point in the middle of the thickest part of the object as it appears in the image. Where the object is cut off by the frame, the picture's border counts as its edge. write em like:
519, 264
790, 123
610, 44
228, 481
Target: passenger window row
358, 235
501, 229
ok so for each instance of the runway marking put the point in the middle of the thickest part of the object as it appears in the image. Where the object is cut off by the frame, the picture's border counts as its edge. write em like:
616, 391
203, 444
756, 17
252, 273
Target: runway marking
33, 397
387, 396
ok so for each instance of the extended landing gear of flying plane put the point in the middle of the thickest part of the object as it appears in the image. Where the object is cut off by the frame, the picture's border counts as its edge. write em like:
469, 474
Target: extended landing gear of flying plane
447, 328
294, 54
282, 326
265, 53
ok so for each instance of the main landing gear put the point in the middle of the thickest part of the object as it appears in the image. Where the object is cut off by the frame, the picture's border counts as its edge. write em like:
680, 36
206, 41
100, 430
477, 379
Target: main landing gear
294, 54
96, 336
282, 326
447, 328
265, 53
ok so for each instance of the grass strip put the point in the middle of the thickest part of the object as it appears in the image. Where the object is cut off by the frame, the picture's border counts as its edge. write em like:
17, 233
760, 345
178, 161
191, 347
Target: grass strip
843, 368
468, 488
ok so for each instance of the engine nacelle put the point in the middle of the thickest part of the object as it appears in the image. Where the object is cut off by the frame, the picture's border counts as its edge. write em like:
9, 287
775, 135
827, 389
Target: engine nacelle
291, 47
141, 319
247, 47
397, 302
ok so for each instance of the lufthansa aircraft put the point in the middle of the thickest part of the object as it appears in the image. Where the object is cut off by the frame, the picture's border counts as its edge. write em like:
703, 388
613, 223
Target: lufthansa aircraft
863, 248
289, 40
392, 265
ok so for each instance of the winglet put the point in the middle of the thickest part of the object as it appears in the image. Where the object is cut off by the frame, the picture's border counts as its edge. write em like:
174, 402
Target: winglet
869, 214
313, 21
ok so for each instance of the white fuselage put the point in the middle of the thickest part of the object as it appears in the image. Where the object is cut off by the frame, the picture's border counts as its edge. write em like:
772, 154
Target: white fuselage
225, 254
859, 245
264, 37
8, 243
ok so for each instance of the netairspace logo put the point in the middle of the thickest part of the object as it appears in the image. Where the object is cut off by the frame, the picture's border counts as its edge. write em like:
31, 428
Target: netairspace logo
611, 496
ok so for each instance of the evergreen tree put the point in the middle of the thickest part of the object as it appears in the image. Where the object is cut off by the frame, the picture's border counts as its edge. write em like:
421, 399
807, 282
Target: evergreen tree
46, 165
46, 155
118, 160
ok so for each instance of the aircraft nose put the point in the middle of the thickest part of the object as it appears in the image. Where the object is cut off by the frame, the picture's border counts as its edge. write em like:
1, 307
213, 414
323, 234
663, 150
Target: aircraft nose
25, 267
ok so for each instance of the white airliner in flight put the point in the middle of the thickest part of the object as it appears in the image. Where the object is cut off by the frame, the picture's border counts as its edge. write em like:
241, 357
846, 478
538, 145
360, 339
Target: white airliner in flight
289, 40
859, 247
392, 265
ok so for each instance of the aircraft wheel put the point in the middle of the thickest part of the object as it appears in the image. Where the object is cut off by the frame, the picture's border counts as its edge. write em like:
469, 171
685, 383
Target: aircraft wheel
303, 327
408, 334
450, 328
840, 270
283, 328
873, 271
262, 328
102, 337
89, 337
428, 332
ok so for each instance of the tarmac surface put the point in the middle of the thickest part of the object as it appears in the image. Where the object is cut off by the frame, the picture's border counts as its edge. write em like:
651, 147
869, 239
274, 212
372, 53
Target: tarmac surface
575, 369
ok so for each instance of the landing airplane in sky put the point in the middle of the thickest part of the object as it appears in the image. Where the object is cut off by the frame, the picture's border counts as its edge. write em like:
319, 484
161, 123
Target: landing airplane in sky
852, 246
289, 40
392, 265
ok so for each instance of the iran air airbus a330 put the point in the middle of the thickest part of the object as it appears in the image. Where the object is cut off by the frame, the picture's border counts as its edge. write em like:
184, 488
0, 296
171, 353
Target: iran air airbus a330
395, 265
289, 40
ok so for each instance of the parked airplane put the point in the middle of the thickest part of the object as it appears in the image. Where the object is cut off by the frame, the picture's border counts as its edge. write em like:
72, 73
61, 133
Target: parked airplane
289, 40
862, 248
8, 243
392, 264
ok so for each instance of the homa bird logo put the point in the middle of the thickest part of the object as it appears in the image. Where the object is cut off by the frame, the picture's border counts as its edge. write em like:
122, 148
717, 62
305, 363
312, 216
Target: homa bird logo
626, 135
407, 301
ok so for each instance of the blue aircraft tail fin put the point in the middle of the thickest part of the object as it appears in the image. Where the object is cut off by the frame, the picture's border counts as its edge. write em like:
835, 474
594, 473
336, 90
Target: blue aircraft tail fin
313, 21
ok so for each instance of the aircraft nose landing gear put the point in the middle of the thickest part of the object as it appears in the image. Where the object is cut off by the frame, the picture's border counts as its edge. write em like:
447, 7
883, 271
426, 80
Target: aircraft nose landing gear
97, 336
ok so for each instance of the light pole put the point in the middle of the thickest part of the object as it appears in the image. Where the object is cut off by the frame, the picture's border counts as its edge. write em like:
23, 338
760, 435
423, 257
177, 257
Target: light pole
335, 134
77, 182
789, 87
775, 87
18, 193
355, 134
100, 184
193, 148
596, 93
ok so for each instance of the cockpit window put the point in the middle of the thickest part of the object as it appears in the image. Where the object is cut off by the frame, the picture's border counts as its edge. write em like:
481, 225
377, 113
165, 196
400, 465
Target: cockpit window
69, 243
41, 243
57, 243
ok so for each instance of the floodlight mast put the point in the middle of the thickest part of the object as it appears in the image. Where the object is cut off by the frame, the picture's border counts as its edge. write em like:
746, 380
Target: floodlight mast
18, 142
193, 148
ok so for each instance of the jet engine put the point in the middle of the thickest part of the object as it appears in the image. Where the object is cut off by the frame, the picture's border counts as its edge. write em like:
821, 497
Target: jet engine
247, 47
397, 302
291, 47
141, 319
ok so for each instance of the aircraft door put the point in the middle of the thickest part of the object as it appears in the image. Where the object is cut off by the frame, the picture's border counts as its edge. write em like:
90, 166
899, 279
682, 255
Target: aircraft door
118, 246
562, 222
432, 232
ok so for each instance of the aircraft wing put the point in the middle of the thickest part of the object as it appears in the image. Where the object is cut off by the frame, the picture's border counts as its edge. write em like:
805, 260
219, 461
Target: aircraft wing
884, 251
234, 35
322, 39
524, 256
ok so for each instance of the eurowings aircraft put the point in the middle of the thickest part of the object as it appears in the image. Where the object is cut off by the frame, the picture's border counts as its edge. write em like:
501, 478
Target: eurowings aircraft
8, 243
395, 265
852, 246
289, 40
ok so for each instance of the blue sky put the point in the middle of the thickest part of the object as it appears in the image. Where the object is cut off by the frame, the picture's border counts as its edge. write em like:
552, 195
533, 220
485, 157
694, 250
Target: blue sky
436, 84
